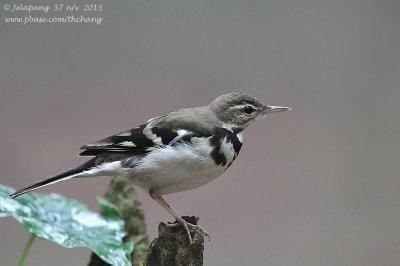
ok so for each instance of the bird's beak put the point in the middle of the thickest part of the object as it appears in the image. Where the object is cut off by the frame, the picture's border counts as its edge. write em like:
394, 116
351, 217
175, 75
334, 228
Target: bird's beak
275, 109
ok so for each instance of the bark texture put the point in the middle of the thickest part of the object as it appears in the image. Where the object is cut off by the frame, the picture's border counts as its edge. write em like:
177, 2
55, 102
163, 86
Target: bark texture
171, 247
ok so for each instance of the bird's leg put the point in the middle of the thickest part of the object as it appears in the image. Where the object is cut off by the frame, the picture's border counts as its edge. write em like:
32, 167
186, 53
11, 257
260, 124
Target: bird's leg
179, 221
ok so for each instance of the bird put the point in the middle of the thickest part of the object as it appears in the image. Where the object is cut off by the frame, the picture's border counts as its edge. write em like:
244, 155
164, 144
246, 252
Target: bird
174, 152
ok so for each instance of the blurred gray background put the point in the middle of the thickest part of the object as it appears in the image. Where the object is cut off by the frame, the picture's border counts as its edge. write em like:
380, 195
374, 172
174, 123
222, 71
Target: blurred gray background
315, 186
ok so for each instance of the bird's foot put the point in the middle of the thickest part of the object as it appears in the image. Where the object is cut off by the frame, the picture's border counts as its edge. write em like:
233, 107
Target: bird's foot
186, 225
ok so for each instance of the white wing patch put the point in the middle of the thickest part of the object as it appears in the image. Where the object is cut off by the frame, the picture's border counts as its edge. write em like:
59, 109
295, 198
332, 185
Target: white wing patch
181, 132
151, 136
99, 144
124, 134
127, 144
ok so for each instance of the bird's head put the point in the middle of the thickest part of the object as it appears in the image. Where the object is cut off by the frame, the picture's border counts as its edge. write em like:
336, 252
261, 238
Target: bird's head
239, 110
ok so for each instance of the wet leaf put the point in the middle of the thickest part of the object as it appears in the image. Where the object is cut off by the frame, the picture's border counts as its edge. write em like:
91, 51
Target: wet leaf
70, 223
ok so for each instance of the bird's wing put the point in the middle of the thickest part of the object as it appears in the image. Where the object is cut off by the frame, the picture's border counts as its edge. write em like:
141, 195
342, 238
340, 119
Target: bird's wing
139, 140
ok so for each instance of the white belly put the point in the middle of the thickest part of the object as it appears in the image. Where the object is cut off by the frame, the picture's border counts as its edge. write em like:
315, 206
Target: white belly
177, 168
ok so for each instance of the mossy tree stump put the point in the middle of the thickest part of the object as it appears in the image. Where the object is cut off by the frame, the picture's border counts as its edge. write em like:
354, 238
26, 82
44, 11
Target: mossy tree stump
171, 247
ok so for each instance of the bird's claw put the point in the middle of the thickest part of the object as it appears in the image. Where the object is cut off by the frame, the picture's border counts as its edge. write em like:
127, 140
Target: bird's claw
186, 225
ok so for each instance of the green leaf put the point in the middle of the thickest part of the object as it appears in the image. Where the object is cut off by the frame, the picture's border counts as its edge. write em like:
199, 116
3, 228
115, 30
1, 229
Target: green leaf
70, 223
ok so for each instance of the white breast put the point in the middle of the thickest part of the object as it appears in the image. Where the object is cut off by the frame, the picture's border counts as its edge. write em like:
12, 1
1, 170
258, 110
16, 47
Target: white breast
177, 168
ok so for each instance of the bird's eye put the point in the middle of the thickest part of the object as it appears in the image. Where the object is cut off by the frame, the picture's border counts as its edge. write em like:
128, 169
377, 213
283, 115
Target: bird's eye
248, 110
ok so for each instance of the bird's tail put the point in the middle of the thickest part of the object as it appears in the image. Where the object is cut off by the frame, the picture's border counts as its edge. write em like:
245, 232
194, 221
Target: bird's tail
73, 172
